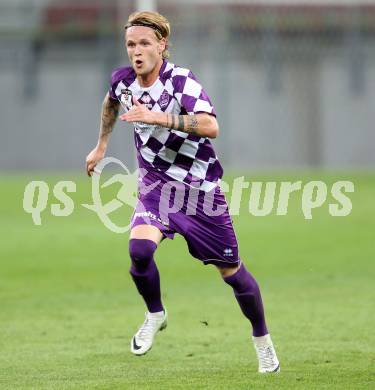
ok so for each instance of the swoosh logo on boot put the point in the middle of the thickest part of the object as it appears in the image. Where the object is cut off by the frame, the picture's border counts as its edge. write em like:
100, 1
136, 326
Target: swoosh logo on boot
135, 346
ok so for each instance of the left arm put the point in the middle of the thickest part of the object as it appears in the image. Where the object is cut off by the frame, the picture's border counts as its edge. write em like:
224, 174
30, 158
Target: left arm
202, 124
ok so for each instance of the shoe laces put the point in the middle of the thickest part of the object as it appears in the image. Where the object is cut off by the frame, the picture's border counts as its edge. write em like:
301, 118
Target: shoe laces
267, 356
147, 330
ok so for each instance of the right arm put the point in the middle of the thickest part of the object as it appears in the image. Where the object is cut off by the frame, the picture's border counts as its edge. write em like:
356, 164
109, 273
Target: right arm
110, 110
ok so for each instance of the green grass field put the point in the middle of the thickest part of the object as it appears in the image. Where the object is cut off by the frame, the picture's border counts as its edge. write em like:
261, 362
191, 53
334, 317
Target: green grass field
69, 308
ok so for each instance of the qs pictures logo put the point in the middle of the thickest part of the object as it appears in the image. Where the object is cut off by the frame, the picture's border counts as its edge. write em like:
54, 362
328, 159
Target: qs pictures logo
261, 198
127, 195
36, 196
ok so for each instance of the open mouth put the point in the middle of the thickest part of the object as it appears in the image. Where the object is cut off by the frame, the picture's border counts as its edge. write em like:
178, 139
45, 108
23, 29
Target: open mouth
138, 63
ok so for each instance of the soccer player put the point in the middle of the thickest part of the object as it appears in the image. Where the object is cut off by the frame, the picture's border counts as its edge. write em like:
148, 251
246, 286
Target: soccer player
173, 122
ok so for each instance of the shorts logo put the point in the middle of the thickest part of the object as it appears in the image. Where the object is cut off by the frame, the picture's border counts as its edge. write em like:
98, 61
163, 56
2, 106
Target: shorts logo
164, 99
148, 214
228, 252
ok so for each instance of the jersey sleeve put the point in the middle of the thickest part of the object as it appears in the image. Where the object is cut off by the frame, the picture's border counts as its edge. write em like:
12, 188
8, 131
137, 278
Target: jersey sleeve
113, 84
111, 94
190, 94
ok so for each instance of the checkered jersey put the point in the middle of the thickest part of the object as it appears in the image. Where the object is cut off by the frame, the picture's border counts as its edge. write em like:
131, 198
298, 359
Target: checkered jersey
171, 154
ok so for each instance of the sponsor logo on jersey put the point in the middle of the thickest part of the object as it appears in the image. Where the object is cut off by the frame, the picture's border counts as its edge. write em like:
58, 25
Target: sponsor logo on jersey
126, 98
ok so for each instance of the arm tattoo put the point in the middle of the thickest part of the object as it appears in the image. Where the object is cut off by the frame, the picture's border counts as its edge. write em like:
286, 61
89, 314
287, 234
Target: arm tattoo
181, 123
178, 123
167, 122
173, 122
192, 124
110, 110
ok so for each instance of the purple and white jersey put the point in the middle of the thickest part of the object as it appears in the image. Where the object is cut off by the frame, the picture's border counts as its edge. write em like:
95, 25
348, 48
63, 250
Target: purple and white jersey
171, 154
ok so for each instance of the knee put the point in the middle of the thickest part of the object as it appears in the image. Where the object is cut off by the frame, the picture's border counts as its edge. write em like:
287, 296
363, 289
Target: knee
242, 281
141, 252
226, 271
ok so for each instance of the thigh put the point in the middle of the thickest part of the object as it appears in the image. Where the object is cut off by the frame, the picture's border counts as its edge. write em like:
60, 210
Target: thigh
213, 241
210, 238
146, 232
146, 220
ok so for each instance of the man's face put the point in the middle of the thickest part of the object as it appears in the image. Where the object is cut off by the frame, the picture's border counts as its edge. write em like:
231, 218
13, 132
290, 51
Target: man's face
144, 50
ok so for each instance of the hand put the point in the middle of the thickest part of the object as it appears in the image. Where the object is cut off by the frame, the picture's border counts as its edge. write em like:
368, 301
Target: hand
139, 113
93, 158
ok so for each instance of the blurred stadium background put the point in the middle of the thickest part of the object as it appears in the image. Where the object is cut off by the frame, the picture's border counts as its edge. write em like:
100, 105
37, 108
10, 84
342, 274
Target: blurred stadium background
293, 82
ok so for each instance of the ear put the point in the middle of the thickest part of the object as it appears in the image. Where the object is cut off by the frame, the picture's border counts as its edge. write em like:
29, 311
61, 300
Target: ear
162, 45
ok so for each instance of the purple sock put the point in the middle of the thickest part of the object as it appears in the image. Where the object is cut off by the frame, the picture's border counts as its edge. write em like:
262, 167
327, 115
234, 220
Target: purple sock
246, 291
145, 272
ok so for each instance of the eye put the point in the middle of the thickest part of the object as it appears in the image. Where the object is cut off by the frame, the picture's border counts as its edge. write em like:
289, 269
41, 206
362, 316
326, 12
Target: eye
130, 44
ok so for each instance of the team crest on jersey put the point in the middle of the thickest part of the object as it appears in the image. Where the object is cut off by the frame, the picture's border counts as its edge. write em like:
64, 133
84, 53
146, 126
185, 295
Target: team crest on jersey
164, 99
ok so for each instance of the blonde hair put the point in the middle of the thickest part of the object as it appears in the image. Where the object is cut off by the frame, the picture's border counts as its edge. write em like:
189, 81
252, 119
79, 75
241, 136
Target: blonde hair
154, 20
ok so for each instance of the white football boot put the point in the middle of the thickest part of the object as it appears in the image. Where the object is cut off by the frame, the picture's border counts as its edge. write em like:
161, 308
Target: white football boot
143, 339
268, 361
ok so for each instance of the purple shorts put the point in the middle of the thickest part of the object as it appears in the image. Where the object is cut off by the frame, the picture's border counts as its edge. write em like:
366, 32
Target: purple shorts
202, 218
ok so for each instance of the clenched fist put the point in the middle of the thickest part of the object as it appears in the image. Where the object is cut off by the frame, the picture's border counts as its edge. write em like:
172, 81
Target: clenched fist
93, 158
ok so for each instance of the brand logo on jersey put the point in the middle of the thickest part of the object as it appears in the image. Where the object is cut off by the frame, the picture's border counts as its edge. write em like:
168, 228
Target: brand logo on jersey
146, 99
164, 99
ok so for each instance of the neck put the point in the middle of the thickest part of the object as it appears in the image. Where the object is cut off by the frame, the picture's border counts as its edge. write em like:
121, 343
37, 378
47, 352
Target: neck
148, 79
